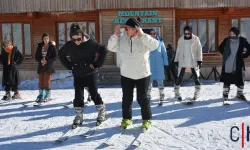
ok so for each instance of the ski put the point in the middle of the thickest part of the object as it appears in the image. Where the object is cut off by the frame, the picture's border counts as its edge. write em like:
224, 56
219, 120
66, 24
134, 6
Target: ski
69, 133
65, 136
29, 104
42, 103
5, 101
110, 141
139, 139
93, 130
188, 101
68, 104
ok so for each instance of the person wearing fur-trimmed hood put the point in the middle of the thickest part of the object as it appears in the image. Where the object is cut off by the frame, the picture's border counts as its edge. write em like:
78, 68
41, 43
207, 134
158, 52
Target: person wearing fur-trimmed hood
157, 59
84, 56
188, 55
45, 56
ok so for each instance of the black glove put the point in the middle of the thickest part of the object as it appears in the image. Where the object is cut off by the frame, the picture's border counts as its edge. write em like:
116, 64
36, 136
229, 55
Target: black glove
199, 64
176, 64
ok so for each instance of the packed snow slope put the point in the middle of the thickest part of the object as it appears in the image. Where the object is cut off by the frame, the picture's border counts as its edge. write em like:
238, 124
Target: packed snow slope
204, 125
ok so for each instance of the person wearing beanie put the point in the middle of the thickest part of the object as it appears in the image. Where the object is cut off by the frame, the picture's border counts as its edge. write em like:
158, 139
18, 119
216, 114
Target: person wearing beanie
84, 56
188, 55
158, 59
233, 66
10, 58
45, 56
134, 48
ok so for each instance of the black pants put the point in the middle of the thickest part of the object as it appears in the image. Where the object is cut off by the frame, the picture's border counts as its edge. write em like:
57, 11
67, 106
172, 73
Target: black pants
127, 98
182, 73
13, 88
172, 69
89, 81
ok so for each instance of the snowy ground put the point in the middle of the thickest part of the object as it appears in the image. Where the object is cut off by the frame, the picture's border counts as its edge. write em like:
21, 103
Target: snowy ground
205, 125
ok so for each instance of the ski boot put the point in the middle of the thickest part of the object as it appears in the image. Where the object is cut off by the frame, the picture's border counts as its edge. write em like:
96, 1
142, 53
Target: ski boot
225, 95
47, 95
41, 95
146, 124
79, 117
7, 96
125, 123
240, 94
102, 116
197, 92
16, 96
162, 95
177, 93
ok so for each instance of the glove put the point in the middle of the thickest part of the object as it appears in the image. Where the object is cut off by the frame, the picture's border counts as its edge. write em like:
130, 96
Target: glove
176, 64
199, 64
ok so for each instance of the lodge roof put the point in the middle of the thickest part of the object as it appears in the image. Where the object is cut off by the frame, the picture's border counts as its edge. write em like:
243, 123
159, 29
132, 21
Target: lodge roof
17, 6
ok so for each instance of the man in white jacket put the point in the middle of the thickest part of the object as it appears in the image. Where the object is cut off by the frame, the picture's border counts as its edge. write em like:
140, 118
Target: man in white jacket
134, 50
188, 55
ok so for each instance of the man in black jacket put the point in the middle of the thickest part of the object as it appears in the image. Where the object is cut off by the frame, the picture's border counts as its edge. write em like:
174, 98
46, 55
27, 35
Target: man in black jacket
83, 56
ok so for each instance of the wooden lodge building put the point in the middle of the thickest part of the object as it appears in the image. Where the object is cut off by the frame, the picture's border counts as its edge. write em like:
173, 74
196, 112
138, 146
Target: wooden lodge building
24, 21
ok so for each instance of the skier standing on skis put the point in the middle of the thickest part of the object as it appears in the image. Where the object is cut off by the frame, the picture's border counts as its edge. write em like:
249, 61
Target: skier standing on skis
10, 58
79, 55
188, 55
233, 66
134, 48
45, 56
158, 59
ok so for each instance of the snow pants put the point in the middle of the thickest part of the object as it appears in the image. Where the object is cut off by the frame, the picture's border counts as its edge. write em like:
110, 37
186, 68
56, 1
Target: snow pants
89, 81
128, 86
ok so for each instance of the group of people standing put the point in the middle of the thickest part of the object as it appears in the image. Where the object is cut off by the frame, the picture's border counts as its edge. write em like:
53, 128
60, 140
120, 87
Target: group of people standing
143, 59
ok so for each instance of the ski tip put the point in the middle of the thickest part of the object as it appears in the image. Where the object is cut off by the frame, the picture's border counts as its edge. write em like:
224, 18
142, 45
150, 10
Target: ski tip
59, 141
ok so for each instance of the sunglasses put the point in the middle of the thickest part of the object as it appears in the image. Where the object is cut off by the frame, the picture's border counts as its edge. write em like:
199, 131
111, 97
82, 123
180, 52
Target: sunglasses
187, 33
77, 39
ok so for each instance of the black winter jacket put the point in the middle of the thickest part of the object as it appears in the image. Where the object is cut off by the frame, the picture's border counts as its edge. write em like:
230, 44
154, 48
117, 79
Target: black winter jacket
78, 58
10, 71
50, 58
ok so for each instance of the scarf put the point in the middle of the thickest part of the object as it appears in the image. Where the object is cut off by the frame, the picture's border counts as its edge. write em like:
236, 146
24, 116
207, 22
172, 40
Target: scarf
9, 51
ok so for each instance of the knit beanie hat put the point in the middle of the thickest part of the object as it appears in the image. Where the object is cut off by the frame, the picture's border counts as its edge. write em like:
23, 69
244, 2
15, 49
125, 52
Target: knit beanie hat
235, 31
188, 28
45, 35
132, 22
75, 29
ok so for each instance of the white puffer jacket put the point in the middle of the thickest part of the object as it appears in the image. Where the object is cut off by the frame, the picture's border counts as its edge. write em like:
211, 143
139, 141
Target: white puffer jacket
196, 50
134, 54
